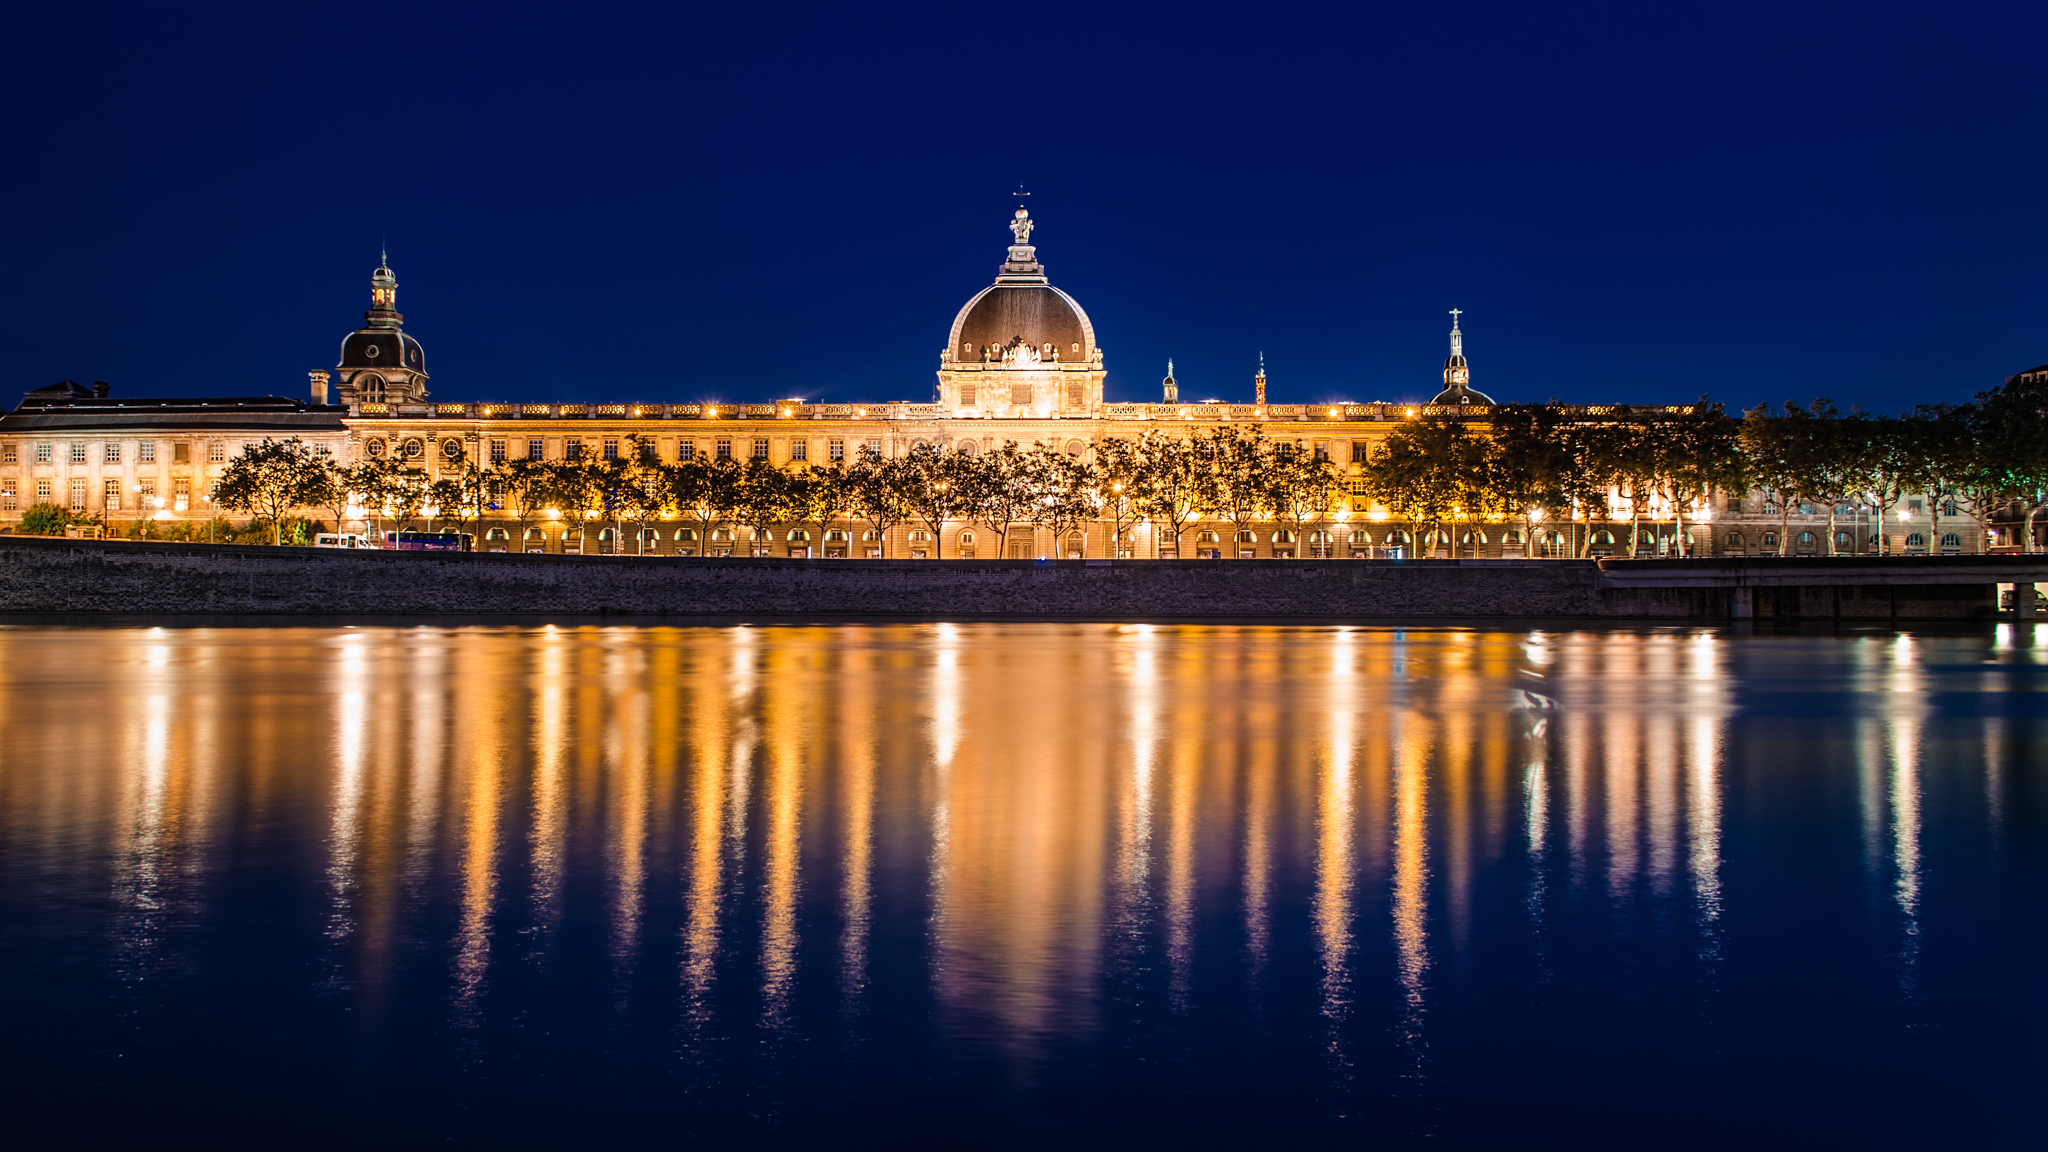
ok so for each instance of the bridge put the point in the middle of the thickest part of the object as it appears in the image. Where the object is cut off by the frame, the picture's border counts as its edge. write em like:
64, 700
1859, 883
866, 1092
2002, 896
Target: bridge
1810, 585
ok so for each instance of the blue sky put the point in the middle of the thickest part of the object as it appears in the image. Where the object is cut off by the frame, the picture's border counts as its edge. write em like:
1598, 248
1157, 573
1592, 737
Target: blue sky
1630, 202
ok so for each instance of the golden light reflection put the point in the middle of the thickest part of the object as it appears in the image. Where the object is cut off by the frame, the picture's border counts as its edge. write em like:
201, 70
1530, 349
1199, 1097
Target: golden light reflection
1411, 879
1336, 824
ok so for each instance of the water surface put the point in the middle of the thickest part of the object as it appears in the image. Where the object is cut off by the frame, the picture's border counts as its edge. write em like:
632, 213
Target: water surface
1025, 885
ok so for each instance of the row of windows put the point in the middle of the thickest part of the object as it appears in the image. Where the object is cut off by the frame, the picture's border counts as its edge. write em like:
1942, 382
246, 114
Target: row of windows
112, 497
608, 449
76, 451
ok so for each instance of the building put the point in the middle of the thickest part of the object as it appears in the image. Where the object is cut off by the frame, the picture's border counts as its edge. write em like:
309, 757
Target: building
1021, 363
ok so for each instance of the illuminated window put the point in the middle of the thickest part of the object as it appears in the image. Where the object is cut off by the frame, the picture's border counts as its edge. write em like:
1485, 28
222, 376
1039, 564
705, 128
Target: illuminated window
497, 451
687, 450
8, 499
723, 450
573, 450
145, 452
42, 491
145, 490
835, 450
42, 453
110, 452
760, 449
799, 450
78, 453
9, 453
874, 449
536, 450
611, 449
111, 500
181, 494
78, 495
967, 395
216, 452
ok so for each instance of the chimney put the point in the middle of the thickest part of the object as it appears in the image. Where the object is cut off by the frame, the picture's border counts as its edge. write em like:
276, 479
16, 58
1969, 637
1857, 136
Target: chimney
319, 378
100, 388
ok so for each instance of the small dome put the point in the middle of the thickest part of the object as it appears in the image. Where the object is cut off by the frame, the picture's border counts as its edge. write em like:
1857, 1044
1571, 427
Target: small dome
1037, 315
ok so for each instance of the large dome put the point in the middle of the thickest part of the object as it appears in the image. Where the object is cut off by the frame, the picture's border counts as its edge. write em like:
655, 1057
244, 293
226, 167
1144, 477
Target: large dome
1040, 315
1021, 309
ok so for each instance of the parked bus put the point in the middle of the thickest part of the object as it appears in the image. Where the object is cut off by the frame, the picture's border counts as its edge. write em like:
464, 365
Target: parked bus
340, 540
430, 541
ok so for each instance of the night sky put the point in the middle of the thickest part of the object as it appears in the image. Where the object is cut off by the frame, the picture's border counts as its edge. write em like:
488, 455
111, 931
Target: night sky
1631, 202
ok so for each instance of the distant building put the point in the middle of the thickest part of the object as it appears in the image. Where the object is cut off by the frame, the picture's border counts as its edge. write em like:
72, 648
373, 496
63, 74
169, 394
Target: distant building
1021, 363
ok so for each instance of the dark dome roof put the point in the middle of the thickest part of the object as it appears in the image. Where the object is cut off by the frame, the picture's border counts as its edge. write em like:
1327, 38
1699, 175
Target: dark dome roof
382, 348
1460, 394
1039, 313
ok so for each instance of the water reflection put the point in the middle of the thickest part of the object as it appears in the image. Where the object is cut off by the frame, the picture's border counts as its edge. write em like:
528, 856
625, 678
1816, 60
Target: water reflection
1070, 837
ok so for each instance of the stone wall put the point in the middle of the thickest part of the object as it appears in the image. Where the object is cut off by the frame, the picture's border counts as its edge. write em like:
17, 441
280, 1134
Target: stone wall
74, 576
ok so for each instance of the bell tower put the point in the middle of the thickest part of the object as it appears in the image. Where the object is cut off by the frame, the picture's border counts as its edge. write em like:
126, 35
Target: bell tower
380, 364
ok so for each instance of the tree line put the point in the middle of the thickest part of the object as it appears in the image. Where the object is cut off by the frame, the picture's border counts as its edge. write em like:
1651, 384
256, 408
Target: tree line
1559, 470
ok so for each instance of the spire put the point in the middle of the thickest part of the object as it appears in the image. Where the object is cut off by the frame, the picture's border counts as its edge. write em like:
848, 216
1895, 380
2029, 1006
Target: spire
1259, 382
1457, 337
383, 311
1457, 373
1170, 386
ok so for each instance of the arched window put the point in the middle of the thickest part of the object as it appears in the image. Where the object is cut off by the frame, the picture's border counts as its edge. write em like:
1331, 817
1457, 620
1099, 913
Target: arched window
1949, 508
835, 535
796, 534
721, 536
1806, 540
650, 535
683, 534
969, 447
497, 534
1770, 539
1398, 539
1844, 540
1511, 536
1075, 447
920, 536
1283, 536
1205, 536
1361, 537
1247, 537
1473, 537
1735, 539
535, 534
370, 388
1916, 540
868, 536
1604, 537
967, 539
1950, 542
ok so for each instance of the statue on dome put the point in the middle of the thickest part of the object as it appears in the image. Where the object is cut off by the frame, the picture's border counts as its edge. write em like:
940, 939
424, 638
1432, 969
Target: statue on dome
1022, 226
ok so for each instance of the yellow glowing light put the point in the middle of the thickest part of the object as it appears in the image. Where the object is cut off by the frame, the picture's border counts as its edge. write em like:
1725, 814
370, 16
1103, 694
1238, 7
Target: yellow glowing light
1333, 411
554, 513
1376, 515
1535, 515
711, 411
1411, 413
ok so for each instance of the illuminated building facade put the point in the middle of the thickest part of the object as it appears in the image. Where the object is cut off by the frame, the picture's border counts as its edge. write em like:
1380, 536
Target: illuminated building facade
1021, 363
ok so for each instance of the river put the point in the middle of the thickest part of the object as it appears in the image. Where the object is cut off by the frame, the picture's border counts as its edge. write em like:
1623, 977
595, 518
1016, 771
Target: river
1025, 885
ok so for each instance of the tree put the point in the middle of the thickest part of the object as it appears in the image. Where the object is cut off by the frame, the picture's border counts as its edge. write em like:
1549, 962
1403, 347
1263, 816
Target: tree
706, 492
43, 520
1116, 486
1062, 486
1422, 472
877, 495
998, 491
2013, 445
1175, 481
1699, 456
818, 497
761, 499
1944, 458
934, 488
522, 487
1536, 473
1303, 488
270, 478
1242, 460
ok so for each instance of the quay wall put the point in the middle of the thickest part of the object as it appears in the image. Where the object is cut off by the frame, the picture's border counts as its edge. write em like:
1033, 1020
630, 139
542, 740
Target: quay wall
145, 578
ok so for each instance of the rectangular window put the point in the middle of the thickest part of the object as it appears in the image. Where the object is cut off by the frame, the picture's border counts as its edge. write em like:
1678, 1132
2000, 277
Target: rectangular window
216, 452
497, 451
1020, 395
967, 395
78, 495
835, 450
146, 452
611, 449
536, 449
799, 451
42, 453
1359, 449
1074, 396
112, 500
42, 491
725, 449
1322, 449
1735, 505
874, 449
760, 449
8, 499
78, 453
181, 494
181, 453
145, 491
649, 453
686, 451
9, 454
573, 450
110, 452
